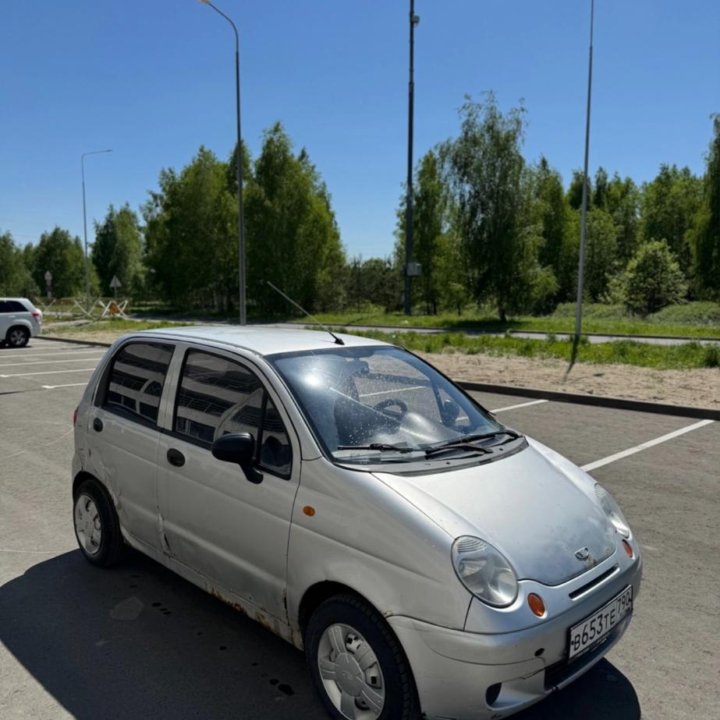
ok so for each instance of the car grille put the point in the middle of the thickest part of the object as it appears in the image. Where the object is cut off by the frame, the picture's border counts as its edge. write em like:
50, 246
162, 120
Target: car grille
593, 583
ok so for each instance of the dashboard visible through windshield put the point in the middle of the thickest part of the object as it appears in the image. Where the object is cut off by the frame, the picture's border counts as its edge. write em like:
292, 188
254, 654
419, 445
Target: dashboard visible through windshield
382, 404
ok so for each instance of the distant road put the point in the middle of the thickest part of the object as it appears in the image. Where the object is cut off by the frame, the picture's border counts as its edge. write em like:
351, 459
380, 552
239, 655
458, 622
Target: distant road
593, 338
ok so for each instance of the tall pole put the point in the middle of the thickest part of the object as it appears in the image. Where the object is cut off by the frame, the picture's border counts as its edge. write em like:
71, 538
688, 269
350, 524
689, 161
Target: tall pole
239, 172
414, 20
583, 216
87, 266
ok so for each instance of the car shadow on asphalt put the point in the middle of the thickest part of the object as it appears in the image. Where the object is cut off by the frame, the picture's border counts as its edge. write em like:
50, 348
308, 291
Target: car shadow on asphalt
138, 641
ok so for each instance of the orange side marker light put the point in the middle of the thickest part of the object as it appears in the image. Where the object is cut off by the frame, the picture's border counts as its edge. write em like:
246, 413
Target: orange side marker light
536, 604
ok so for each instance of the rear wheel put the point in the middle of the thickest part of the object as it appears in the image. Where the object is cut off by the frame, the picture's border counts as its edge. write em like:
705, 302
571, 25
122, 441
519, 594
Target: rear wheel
17, 337
357, 664
96, 523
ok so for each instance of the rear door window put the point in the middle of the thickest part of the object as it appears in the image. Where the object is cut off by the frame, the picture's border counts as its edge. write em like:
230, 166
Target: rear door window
136, 379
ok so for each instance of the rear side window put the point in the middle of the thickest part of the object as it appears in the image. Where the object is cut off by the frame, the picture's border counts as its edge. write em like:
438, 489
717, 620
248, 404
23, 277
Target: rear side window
12, 306
217, 396
136, 379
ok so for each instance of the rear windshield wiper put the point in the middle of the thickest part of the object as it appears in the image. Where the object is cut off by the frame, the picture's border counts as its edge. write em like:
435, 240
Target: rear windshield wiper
468, 442
382, 447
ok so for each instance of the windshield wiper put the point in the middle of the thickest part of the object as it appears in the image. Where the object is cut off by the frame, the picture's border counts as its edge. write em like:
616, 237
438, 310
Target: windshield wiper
468, 442
382, 447
455, 445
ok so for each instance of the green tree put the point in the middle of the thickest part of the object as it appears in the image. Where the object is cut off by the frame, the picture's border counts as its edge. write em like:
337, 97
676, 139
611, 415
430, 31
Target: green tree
293, 239
372, 283
670, 204
622, 201
552, 212
191, 235
574, 193
117, 251
62, 255
15, 277
484, 171
600, 191
705, 236
428, 226
428, 216
600, 253
653, 279
452, 275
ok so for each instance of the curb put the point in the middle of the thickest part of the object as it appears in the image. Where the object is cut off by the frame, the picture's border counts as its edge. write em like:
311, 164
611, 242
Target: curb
596, 400
72, 341
572, 398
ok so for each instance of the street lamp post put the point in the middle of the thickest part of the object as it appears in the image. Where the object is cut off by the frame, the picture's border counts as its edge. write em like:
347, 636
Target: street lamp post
583, 212
414, 20
87, 267
238, 170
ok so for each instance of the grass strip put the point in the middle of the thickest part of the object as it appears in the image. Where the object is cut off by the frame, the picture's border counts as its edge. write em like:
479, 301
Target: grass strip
623, 352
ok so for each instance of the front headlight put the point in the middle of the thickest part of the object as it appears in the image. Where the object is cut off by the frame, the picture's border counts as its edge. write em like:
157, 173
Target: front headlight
612, 510
484, 571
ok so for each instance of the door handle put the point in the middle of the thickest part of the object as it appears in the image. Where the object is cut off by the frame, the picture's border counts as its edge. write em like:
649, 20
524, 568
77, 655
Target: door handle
175, 457
97, 425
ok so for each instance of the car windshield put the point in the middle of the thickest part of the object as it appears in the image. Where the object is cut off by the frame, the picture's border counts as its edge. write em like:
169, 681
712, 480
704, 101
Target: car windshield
381, 404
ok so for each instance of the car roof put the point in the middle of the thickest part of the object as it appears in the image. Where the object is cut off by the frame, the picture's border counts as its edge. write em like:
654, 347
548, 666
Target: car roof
261, 340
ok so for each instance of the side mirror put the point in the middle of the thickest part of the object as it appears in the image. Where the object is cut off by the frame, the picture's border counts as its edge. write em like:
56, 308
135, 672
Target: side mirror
238, 448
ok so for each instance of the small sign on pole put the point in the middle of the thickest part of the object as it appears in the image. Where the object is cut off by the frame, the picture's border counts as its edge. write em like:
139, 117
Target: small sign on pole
414, 269
115, 284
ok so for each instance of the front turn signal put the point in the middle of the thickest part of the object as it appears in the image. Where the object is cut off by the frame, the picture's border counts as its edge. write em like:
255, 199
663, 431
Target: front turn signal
628, 549
536, 604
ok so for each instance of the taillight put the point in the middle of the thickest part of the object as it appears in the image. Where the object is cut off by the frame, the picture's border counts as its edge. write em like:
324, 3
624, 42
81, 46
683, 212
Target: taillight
75, 414
37, 314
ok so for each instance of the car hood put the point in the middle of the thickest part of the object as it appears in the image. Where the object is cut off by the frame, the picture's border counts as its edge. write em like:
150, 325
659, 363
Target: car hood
529, 508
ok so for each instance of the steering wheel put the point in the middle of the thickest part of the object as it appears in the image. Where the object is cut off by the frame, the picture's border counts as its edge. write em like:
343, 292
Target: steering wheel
396, 415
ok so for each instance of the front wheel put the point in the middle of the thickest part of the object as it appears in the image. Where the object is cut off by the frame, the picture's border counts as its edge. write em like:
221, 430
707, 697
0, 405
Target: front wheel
357, 664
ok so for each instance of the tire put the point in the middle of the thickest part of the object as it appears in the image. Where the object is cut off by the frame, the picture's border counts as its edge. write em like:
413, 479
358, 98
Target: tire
17, 337
96, 524
358, 666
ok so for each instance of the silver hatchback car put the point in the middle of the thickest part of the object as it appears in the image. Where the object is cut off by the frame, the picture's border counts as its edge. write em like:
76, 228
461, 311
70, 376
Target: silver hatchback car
429, 560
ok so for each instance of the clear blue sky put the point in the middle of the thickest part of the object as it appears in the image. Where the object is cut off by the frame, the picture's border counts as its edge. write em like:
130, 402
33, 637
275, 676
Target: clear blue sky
153, 80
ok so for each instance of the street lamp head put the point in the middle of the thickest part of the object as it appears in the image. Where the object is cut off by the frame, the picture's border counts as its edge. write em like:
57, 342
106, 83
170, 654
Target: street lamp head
94, 152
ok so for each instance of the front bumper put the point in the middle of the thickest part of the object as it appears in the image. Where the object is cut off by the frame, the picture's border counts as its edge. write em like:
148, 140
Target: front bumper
463, 675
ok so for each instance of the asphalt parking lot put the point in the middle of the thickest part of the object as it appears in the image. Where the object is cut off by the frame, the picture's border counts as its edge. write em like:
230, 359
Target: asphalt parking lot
137, 641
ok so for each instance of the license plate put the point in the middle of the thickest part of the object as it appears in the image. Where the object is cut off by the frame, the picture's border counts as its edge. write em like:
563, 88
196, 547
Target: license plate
594, 628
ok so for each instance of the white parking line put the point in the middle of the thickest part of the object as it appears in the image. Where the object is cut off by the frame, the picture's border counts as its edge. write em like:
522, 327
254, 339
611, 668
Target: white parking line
47, 372
74, 353
521, 405
54, 387
643, 446
44, 362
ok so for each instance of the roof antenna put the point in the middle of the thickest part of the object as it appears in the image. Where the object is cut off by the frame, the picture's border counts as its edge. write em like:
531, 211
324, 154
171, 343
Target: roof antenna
338, 341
